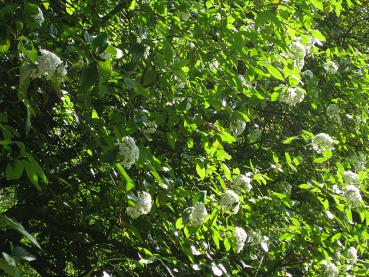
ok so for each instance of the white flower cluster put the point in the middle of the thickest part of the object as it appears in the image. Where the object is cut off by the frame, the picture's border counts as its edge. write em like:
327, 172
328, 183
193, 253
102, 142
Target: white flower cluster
49, 65
254, 134
238, 127
308, 74
299, 49
332, 270
39, 17
128, 151
246, 83
143, 205
243, 182
240, 236
292, 95
198, 214
359, 160
350, 177
149, 127
322, 142
353, 196
257, 238
352, 255
330, 67
333, 113
230, 201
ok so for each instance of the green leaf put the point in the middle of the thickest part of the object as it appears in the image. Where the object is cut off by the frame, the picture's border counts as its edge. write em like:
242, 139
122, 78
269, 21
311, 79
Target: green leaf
179, 223
23, 254
136, 86
31, 171
100, 42
129, 185
4, 45
88, 77
286, 237
305, 186
320, 160
290, 139
227, 244
9, 269
275, 73
6, 223
318, 4
318, 35
14, 170
200, 169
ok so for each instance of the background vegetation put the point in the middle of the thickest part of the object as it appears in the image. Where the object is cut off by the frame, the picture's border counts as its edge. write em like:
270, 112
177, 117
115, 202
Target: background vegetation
224, 100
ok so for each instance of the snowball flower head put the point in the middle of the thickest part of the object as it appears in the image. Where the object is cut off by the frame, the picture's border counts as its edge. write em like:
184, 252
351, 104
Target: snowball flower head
298, 50
322, 142
333, 113
332, 270
49, 65
352, 255
198, 214
292, 96
230, 200
240, 238
133, 212
308, 74
353, 196
243, 181
143, 202
39, 17
143, 205
149, 127
129, 151
330, 67
238, 127
350, 177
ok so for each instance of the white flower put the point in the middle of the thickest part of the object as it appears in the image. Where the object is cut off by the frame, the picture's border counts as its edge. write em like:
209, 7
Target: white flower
230, 201
133, 212
240, 238
243, 181
238, 127
246, 83
330, 67
308, 74
129, 151
257, 238
143, 205
353, 196
332, 270
359, 160
254, 134
333, 113
292, 96
297, 49
352, 255
322, 142
49, 65
39, 17
198, 214
143, 202
350, 177
149, 127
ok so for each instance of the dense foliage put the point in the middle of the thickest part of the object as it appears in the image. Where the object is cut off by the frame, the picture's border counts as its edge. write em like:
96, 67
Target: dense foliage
184, 138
